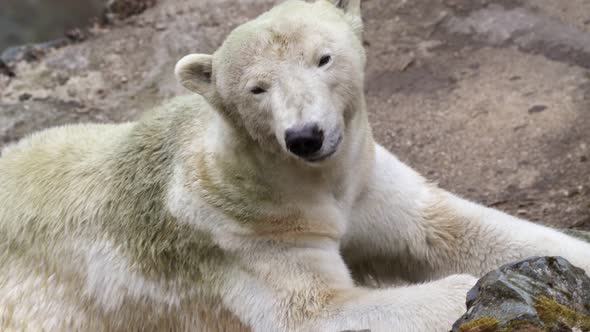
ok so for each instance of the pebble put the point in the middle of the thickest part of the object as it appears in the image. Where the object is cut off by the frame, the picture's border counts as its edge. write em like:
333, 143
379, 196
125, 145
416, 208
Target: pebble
25, 96
537, 109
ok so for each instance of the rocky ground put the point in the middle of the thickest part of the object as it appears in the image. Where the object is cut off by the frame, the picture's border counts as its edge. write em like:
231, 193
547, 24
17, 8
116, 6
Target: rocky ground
490, 98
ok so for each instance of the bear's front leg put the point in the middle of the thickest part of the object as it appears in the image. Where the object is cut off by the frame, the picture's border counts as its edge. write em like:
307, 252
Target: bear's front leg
428, 307
404, 227
308, 289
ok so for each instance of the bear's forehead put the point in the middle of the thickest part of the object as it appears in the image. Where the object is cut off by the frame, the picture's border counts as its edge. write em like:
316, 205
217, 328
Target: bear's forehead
279, 35
272, 50
286, 40
293, 32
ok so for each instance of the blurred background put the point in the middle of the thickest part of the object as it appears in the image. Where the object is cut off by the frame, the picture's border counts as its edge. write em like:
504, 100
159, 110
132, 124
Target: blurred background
489, 98
35, 21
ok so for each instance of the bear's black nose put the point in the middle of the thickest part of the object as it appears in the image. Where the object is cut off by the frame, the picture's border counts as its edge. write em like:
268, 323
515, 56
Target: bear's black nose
304, 141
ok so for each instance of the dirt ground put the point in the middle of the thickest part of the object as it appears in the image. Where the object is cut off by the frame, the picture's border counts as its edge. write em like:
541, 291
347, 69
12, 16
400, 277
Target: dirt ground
491, 99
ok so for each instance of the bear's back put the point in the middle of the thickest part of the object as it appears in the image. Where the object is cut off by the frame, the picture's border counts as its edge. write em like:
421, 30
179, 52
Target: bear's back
41, 172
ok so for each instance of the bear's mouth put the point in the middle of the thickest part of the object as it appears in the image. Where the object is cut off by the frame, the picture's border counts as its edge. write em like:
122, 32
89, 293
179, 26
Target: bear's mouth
326, 153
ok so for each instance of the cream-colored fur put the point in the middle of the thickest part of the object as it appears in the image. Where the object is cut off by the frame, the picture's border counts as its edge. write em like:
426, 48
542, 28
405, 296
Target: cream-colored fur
198, 218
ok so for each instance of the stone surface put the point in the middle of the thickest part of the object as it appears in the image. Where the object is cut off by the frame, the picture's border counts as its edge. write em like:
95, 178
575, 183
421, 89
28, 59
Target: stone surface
537, 294
121, 9
490, 98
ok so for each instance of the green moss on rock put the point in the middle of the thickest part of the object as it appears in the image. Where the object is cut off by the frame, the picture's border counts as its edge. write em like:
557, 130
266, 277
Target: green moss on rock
555, 315
482, 324
521, 326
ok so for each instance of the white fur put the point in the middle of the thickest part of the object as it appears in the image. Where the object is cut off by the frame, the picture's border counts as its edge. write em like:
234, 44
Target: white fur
109, 274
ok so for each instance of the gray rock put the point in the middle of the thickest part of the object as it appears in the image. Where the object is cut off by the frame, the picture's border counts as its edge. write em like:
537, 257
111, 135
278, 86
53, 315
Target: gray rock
124, 8
30, 52
5, 70
19, 119
535, 294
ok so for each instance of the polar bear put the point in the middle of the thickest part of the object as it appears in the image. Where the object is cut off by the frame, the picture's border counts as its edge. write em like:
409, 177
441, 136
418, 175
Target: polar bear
259, 203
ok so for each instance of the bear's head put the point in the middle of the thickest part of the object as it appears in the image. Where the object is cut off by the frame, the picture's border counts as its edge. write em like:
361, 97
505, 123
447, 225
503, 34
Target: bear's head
292, 79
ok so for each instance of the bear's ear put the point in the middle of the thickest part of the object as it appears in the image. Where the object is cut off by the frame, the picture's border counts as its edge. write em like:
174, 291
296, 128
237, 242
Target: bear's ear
352, 7
194, 72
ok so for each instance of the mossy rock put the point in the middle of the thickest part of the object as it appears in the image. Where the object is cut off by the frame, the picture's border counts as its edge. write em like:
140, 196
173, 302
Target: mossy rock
545, 294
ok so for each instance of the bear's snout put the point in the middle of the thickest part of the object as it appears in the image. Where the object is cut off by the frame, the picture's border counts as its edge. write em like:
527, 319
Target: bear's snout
304, 141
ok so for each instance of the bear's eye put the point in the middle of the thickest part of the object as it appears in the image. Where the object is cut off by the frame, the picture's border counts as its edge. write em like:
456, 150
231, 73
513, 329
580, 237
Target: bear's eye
257, 90
325, 60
